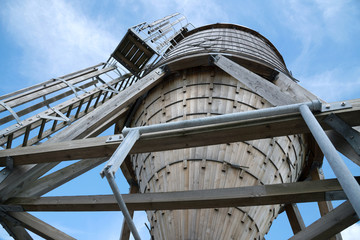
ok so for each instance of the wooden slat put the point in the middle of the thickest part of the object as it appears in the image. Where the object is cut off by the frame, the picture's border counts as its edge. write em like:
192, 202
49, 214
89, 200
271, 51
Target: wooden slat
324, 206
182, 138
254, 82
294, 216
16, 231
332, 223
308, 191
39, 227
56, 179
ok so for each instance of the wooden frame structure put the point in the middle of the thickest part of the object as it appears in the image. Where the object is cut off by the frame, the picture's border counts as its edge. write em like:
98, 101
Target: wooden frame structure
83, 117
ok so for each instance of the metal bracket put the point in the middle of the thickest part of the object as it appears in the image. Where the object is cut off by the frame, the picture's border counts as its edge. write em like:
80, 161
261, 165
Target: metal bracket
327, 107
11, 111
61, 118
115, 138
73, 88
110, 88
351, 135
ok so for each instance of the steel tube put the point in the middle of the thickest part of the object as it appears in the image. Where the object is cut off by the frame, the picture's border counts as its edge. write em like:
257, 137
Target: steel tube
346, 180
122, 206
231, 117
120, 153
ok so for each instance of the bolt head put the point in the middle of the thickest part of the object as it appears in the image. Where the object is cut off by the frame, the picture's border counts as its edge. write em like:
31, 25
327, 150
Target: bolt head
343, 104
327, 106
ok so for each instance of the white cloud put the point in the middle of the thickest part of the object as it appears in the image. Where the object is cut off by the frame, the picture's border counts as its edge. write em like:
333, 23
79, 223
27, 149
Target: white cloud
352, 232
333, 85
56, 38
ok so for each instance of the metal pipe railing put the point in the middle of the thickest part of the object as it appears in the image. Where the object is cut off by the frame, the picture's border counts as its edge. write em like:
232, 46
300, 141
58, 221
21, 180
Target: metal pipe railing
346, 180
231, 117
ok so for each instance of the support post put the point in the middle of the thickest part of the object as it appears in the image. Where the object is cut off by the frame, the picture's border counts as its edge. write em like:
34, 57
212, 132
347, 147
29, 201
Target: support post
294, 216
347, 181
112, 167
122, 206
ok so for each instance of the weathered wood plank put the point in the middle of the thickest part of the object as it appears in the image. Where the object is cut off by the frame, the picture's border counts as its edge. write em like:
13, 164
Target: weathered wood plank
308, 191
324, 206
39, 227
294, 216
254, 82
56, 179
182, 138
332, 223
300, 94
294, 90
16, 231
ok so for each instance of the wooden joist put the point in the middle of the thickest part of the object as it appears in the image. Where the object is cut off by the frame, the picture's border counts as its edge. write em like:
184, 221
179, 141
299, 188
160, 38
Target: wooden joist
39, 227
182, 138
294, 216
254, 82
308, 191
332, 223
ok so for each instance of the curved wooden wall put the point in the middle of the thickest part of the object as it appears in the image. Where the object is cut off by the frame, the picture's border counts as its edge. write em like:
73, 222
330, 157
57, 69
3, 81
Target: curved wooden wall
200, 92
246, 46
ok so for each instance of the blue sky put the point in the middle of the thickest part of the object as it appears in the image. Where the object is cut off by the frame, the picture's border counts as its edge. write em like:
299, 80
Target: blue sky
41, 39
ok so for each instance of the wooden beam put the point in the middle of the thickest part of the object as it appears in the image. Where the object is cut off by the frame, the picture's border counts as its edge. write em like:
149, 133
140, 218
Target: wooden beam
254, 82
56, 179
39, 227
300, 94
294, 90
308, 191
324, 206
182, 138
14, 230
332, 223
294, 216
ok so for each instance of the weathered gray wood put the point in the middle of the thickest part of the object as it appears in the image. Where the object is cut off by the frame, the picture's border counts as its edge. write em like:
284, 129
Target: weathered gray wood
300, 94
21, 178
254, 82
308, 191
39, 227
343, 146
56, 179
332, 223
16, 231
324, 206
182, 138
294, 216
294, 90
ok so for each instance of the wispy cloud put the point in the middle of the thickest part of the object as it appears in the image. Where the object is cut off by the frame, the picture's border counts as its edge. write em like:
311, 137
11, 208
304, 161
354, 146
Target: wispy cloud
334, 85
56, 38
352, 232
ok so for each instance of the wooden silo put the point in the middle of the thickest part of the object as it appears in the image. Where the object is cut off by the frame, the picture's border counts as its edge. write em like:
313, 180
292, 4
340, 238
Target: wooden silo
207, 142
197, 90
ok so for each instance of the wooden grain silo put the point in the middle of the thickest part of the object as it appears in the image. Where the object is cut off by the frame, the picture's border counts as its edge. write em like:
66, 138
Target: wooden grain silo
197, 90
212, 134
